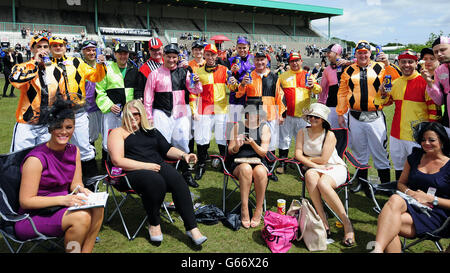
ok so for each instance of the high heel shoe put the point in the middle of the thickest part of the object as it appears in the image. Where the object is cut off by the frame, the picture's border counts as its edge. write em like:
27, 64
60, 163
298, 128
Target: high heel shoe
156, 238
198, 241
246, 223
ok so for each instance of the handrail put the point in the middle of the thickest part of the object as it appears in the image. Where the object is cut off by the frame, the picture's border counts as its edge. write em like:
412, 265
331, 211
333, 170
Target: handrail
54, 28
270, 38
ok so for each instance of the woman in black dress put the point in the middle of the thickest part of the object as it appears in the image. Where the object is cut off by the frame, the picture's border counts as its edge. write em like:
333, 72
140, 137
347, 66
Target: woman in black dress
139, 149
426, 177
247, 156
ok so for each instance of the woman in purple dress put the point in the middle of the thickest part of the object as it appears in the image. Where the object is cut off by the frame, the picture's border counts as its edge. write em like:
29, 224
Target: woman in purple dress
50, 172
425, 177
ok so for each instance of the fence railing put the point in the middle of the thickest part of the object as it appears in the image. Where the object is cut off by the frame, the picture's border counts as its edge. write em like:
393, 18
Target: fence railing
9, 26
269, 38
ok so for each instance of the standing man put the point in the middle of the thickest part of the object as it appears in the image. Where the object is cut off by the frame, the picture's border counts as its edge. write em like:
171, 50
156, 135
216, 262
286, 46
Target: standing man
240, 65
297, 90
330, 82
88, 49
75, 74
412, 106
359, 84
166, 100
212, 107
197, 62
439, 89
155, 61
39, 84
116, 89
264, 86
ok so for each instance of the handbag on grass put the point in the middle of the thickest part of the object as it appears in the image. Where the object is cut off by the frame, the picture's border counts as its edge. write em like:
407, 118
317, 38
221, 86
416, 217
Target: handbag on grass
279, 231
311, 226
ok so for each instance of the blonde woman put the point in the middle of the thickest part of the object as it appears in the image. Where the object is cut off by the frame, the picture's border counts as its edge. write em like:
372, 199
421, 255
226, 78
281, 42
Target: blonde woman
139, 149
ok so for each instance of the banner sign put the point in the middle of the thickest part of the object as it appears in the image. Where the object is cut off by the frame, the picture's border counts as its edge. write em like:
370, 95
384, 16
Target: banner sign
125, 31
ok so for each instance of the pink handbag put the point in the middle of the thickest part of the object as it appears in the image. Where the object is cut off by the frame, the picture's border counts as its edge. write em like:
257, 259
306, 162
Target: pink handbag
279, 231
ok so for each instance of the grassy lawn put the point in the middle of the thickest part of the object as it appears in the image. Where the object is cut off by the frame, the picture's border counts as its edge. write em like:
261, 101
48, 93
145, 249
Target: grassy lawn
220, 238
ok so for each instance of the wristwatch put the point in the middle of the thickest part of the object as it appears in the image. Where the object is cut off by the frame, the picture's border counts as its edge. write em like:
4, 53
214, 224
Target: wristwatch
435, 201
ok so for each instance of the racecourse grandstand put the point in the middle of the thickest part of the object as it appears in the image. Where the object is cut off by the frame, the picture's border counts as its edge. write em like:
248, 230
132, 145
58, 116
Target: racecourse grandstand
262, 21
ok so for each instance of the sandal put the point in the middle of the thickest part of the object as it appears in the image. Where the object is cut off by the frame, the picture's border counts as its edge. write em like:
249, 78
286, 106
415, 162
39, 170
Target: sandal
349, 241
255, 223
245, 223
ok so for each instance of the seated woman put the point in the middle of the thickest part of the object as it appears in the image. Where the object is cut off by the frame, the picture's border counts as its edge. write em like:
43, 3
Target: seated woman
427, 169
250, 139
139, 150
49, 172
315, 148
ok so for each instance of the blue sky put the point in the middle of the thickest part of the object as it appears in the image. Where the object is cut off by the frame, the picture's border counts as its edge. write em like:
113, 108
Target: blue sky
383, 21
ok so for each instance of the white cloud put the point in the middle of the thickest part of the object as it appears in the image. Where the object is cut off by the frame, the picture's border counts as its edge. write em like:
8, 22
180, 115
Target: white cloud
381, 21
373, 2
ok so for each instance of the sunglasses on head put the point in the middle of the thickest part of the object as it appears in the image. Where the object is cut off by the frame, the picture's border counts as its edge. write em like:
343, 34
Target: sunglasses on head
363, 45
89, 42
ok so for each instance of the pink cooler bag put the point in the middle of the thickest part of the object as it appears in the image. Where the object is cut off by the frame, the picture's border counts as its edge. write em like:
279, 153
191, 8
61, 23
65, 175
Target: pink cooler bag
279, 231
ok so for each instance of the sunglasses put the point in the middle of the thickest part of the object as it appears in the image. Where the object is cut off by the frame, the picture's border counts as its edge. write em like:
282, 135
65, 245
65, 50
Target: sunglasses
363, 45
311, 116
136, 114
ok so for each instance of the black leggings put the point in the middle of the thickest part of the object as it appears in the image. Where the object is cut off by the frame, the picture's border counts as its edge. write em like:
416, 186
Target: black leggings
153, 186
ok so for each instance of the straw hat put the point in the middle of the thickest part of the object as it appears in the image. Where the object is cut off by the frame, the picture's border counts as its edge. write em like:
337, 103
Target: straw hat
318, 110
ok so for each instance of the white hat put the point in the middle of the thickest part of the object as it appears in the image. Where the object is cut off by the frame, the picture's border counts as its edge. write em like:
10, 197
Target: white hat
318, 110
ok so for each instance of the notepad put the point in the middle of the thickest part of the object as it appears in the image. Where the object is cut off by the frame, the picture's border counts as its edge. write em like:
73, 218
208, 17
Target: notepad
94, 200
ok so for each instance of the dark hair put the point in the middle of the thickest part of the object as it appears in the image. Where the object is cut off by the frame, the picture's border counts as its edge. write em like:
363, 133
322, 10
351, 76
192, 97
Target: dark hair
53, 116
421, 128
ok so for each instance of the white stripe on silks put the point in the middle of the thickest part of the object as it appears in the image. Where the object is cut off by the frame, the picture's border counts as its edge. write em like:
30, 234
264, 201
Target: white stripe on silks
153, 65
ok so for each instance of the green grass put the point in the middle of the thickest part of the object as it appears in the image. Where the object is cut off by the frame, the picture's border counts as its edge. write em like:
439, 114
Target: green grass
220, 238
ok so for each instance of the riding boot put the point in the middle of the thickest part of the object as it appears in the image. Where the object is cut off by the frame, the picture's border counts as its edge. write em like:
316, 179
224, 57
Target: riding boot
191, 145
187, 174
282, 154
202, 151
398, 173
385, 175
358, 184
273, 177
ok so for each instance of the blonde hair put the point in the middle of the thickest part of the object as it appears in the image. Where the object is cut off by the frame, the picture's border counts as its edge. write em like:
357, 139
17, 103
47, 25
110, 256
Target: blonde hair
127, 117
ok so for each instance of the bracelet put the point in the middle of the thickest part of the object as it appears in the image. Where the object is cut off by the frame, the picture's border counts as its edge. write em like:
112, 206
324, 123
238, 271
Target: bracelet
406, 191
182, 156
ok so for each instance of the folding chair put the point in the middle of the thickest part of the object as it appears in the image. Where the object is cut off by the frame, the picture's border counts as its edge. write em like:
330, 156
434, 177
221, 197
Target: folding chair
435, 236
10, 178
271, 158
385, 188
390, 188
341, 148
127, 192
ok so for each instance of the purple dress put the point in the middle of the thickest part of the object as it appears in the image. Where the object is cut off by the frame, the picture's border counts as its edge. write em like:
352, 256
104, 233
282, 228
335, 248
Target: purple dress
57, 175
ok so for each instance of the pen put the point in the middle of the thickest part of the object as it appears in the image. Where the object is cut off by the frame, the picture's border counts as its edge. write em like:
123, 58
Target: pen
75, 190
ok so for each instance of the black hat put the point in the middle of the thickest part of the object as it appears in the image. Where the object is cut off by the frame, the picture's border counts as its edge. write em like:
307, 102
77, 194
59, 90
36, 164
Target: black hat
260, 54
171, 48
198, 44
426, 50
121, 47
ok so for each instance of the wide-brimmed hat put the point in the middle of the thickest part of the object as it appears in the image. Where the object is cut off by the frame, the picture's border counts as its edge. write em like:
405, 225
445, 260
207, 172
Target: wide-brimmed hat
318, 110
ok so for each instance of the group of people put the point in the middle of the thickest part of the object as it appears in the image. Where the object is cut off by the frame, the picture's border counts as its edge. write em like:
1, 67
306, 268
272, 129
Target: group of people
164, 108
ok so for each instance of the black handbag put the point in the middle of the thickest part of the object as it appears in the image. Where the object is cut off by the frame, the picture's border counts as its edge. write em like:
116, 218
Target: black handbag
233, 221
209, 215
